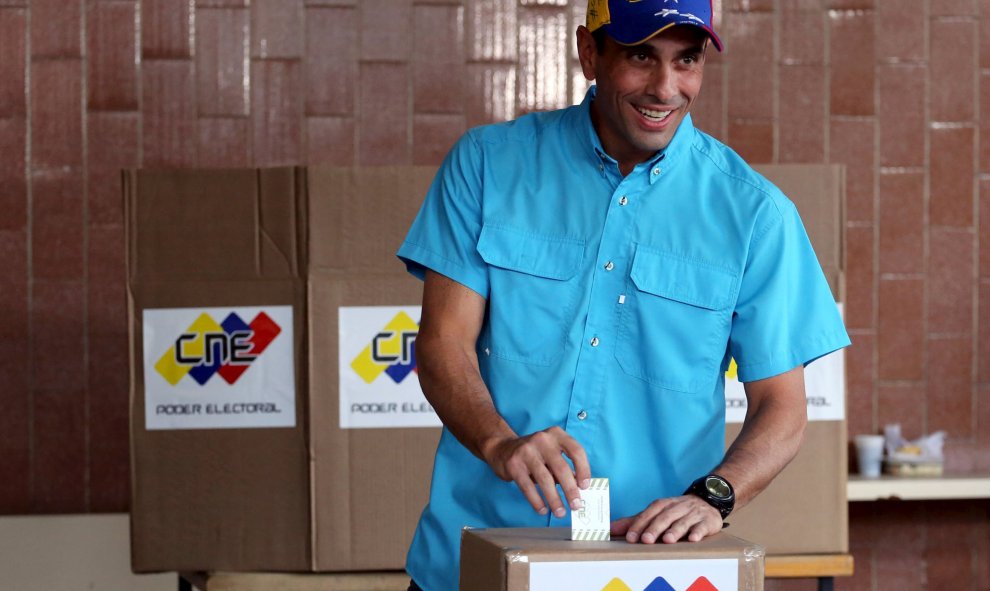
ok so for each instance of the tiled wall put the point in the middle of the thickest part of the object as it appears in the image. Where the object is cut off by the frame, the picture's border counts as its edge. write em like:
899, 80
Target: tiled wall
891, 88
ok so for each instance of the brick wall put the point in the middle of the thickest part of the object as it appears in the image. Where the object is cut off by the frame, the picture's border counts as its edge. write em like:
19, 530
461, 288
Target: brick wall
894, 90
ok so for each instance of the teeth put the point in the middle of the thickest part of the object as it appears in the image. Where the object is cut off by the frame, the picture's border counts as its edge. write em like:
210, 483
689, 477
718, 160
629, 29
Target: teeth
655, 115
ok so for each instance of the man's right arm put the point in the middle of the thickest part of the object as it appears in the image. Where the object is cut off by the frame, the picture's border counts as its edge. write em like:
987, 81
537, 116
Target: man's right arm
449, 374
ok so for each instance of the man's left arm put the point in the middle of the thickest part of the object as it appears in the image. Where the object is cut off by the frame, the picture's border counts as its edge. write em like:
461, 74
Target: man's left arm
775, 420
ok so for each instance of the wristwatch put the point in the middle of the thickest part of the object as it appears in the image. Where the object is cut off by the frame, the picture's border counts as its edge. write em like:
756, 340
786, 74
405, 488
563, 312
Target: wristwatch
716, 491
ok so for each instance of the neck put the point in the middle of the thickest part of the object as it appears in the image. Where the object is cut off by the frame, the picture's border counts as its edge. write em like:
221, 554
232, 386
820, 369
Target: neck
627, 159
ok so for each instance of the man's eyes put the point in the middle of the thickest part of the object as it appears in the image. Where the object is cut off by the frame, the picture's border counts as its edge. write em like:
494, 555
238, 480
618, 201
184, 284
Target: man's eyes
642, 57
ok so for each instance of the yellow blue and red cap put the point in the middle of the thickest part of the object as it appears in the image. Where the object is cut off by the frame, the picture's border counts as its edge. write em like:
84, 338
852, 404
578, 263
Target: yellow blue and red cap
631, 22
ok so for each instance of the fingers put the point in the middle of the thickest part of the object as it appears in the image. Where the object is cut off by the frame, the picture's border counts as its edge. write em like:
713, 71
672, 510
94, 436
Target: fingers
692, 521
699, 531
644, 526
619, 527
695, 533
562, 474
537, 465
582, 470
553, 469
570, 481
671, 520
549, 489
528, 470
519, 473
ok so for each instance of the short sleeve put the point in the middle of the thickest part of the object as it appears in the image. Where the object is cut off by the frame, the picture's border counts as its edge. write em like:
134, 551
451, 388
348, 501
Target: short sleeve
444, 235
785, 314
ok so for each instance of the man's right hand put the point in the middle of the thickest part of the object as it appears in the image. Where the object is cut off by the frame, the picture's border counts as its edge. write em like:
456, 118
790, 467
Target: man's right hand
536, 464
448, 372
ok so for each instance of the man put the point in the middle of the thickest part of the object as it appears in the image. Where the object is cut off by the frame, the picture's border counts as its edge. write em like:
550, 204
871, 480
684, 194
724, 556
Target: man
590, 272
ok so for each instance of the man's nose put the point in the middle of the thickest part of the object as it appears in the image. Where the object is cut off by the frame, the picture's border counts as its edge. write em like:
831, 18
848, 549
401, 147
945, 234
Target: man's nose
663, 82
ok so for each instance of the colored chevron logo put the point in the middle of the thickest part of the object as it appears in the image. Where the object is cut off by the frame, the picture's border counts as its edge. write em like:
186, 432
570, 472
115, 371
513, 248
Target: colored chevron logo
392, 351
209, 348
660, 584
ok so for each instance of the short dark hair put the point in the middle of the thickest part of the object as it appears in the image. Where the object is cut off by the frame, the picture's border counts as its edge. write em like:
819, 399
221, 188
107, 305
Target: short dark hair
599, 36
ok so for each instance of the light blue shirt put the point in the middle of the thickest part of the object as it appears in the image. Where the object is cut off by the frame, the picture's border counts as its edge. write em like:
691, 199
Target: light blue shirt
614, 305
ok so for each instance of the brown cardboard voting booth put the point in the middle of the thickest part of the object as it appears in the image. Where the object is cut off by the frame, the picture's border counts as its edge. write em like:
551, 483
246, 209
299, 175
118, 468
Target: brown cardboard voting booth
253, 460
804, 510
271, 483
526, 559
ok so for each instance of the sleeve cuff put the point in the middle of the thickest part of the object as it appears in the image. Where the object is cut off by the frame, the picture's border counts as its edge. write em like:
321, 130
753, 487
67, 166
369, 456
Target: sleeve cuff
419, 259
802, 356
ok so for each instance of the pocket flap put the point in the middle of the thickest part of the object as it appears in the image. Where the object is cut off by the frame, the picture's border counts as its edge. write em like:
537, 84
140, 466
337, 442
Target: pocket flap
551, 257
677, 278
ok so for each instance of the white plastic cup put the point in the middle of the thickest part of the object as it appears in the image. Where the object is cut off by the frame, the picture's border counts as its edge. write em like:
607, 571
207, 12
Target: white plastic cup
869, 451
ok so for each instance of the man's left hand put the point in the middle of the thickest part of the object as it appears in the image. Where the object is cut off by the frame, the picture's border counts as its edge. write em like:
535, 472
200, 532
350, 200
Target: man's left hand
669, 521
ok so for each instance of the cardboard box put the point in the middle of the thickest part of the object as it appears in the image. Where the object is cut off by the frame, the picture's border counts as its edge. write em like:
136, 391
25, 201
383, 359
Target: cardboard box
526, 559
804, 510
273, 484
818, 191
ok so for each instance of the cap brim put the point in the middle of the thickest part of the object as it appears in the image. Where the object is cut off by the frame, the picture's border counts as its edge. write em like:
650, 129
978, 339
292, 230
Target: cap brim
648, 30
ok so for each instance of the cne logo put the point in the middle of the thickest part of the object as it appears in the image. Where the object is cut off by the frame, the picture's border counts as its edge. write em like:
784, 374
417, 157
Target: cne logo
207, 348
392, 351
660, 584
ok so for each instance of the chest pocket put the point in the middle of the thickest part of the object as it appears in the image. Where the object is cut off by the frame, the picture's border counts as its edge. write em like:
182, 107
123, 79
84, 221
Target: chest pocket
674, 325
533, 292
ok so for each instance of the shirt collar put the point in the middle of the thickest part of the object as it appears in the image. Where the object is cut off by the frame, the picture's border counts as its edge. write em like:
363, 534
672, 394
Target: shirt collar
663, 159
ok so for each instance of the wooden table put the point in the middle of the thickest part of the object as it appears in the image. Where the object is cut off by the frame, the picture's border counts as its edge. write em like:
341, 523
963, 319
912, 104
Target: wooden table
824, 567
382, 581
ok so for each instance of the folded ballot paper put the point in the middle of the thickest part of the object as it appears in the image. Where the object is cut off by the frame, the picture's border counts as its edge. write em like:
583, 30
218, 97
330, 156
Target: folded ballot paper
592, 521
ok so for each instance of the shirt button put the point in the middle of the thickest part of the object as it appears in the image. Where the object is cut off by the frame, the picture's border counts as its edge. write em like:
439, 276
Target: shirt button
594, 341
623, 200
601, 167
582, 415
609, 266
656, 171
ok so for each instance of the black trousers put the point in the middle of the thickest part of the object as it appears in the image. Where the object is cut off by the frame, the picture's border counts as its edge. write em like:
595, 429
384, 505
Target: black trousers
413, 586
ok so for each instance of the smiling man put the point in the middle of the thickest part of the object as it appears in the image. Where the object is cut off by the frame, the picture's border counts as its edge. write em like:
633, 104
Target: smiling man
590, 272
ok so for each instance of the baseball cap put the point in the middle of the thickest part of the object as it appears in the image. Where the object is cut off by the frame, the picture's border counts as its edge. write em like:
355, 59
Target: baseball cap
631, 22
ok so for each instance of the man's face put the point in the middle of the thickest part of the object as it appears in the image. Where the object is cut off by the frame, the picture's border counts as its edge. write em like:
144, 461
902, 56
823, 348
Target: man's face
644, 91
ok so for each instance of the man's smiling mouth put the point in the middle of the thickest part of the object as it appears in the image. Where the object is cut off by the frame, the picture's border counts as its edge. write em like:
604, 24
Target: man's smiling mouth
653, 114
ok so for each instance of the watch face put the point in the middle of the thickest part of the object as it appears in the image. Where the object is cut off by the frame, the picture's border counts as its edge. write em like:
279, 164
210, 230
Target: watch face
717, 487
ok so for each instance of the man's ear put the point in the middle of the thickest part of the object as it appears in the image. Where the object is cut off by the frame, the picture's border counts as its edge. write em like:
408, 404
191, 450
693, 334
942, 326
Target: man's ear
587, 51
